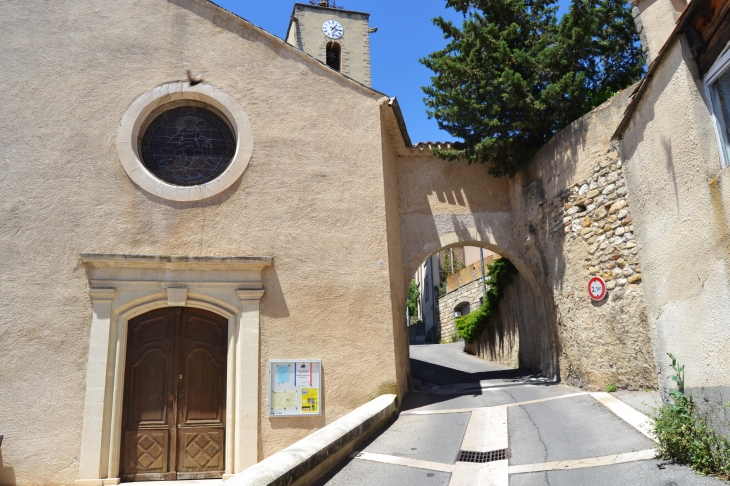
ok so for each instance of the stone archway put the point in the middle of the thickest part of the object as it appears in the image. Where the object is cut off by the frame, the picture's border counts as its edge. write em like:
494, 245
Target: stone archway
446, 204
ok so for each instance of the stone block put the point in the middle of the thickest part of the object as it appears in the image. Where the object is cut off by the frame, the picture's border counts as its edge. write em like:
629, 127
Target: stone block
617, 206
634, 278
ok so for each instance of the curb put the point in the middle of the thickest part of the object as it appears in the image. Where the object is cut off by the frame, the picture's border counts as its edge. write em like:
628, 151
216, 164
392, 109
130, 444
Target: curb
304, 462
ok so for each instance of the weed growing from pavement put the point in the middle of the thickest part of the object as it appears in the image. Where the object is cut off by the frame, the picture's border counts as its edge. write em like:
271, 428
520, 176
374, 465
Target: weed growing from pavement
685, 435
611, 387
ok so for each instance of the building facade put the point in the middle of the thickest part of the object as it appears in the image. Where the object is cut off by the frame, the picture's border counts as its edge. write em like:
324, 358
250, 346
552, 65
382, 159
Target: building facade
164, 233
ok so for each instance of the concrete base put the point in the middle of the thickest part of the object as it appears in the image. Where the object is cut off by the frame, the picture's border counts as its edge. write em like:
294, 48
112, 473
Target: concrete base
304, 462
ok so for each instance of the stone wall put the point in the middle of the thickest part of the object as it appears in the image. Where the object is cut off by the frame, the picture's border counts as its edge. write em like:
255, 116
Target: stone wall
471, 293
574, 220
596, 219
499, 342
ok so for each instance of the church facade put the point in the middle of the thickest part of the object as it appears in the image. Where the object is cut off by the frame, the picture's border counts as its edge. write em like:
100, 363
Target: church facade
170, 237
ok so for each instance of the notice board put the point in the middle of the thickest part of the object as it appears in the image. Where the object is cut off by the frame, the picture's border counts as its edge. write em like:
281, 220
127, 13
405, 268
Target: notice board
295, 387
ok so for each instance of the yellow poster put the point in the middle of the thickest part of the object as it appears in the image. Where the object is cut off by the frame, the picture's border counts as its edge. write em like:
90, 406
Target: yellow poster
278, 400
310, 400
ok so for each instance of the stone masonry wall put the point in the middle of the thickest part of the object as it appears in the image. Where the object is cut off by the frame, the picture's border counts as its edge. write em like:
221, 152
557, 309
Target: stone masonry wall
606, 341
571, 213
598, 212
471, 292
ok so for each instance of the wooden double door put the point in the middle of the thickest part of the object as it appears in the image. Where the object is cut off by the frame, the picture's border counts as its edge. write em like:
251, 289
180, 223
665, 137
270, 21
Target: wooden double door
175, 396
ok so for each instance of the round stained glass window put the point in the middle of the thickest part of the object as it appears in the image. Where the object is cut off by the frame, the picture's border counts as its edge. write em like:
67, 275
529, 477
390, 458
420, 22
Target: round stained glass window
187, 146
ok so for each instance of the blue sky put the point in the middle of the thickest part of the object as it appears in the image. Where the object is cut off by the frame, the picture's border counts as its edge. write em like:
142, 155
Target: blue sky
405, 34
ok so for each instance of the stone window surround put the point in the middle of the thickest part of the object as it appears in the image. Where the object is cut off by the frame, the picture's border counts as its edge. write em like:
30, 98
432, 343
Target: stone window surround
125, 286
137, 116
718, 68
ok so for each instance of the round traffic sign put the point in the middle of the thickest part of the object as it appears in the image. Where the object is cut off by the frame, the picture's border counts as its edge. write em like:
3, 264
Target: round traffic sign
597, 288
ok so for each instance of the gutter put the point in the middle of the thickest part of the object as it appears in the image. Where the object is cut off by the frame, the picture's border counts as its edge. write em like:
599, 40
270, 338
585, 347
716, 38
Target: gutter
393, 103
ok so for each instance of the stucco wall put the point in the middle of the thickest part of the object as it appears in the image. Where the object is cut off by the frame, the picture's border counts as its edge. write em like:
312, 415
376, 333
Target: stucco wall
64, 90
681, 197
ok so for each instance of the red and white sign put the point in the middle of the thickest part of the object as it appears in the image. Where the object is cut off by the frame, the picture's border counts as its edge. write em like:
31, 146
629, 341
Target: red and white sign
597, 288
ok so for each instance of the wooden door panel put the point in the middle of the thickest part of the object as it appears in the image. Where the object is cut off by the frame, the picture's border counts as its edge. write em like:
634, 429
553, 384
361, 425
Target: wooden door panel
146, 452
175, 396
149, 388
201, 411
201, 450
148, 398
203, 379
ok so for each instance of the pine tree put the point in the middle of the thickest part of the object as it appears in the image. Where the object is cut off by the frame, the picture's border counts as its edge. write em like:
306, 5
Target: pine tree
513, 75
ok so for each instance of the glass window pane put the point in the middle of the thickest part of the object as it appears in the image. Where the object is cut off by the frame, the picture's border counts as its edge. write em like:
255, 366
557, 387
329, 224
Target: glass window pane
721, 104
187, 146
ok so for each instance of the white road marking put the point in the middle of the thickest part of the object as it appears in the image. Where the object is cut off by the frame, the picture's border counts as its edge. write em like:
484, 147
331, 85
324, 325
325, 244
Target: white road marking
471, 474
403, 461
583, 463
486, 430
472, 409
633, 417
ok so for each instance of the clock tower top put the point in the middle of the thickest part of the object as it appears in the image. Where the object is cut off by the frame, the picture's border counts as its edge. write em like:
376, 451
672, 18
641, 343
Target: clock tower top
339, 38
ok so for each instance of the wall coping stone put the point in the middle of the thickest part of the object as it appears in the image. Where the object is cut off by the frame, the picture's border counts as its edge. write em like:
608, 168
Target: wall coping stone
296, 461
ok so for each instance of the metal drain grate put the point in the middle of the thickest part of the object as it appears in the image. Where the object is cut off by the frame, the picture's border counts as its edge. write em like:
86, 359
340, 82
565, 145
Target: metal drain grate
471, 456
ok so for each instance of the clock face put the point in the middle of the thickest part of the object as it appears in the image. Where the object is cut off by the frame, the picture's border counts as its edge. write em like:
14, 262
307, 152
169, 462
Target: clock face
333, 29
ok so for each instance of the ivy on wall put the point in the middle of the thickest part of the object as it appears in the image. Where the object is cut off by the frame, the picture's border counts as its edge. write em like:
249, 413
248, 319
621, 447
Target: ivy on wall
470, 326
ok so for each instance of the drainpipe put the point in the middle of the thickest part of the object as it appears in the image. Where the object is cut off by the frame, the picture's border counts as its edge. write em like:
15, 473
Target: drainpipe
484, 281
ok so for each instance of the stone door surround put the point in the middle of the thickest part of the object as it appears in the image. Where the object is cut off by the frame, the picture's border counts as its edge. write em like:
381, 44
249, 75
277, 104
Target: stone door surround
122, 287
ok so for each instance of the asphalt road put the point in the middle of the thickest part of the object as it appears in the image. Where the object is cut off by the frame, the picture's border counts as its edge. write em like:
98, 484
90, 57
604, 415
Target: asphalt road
554, 427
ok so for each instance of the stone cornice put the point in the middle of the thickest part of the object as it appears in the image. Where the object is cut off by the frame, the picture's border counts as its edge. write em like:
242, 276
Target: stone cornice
107, 260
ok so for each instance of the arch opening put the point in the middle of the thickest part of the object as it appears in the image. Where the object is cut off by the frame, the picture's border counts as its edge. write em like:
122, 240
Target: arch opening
334, 56
450, 284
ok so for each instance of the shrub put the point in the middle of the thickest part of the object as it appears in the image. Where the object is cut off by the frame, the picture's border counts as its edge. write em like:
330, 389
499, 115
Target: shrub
471, 325
684, 434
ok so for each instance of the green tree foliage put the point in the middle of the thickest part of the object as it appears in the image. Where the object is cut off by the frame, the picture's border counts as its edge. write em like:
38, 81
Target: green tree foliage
500, 274
413, 295
513, 75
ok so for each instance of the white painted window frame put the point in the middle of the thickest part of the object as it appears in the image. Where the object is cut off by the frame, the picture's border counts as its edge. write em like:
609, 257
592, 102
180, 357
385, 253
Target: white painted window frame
718, 68
122, 287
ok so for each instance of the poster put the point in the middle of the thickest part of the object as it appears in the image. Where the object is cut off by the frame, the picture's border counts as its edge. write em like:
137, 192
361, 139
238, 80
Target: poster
295, 387
290, 400
282, 373
278, 400
310, 400
303, 375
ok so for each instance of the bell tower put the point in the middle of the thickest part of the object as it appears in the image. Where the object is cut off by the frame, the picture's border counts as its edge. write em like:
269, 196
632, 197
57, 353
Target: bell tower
339, 38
